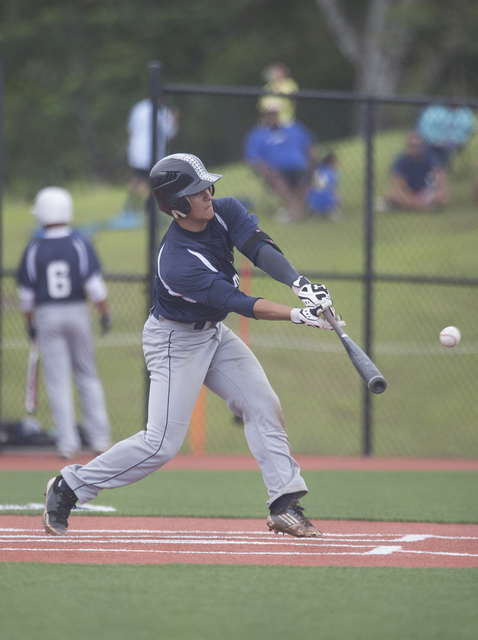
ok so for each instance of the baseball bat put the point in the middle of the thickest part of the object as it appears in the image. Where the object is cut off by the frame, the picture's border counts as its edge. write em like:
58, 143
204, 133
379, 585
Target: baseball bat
366, 368
32, 379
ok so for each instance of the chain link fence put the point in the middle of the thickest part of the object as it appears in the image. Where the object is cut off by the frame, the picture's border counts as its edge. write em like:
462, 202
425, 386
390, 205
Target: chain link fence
397, 278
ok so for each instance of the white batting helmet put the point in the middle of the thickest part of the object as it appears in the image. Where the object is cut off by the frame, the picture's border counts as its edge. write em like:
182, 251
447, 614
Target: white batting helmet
53, 205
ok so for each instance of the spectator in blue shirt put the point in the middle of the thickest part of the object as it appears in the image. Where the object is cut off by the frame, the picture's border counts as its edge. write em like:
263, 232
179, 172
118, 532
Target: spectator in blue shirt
282, 154
418, 181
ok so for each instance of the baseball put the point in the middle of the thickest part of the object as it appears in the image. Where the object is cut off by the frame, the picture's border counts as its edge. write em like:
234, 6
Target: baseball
450, 336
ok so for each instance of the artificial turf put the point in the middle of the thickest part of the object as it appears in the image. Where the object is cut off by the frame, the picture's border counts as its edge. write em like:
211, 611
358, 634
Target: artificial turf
350, 495
213, 602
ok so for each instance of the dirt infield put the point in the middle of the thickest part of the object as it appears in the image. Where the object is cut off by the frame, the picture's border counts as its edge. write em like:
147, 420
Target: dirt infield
18, 461
110, 540
134, 540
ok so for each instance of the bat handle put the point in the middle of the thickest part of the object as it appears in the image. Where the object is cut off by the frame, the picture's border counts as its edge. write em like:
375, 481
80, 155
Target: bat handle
331, 319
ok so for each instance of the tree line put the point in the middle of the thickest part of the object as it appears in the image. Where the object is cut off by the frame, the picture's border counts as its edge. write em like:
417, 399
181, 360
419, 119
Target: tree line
73, 68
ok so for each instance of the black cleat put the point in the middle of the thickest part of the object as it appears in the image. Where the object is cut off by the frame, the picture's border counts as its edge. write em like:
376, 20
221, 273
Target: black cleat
58, 504
291, 520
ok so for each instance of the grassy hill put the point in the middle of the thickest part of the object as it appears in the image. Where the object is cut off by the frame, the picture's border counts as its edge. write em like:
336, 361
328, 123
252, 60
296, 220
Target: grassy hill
429, 407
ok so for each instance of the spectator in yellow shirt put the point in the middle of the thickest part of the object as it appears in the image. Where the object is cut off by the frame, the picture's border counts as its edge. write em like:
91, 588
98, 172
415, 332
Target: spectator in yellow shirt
278, 80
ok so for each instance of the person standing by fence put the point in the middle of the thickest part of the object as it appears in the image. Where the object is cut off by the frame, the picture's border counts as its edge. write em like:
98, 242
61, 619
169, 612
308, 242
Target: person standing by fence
57, 272
140, 148
279, 80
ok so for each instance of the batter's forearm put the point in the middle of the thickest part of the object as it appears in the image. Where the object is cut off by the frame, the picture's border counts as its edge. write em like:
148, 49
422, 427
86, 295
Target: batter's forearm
267, 310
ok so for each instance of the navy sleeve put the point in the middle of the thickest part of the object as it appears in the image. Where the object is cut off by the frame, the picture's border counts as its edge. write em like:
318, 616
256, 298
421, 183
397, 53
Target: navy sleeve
224, 295
240, 223
276, 265
89, 263
23, 278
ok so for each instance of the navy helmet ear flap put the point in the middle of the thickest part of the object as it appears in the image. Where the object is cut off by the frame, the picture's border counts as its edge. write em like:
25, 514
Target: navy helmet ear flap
182, 207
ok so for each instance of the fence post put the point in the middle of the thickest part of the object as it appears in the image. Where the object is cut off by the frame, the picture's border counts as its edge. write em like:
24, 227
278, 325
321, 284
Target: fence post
155, 70
368, 267
1, 236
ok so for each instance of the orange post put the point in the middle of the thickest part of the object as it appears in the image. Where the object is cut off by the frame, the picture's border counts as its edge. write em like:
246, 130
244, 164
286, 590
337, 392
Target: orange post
197, 431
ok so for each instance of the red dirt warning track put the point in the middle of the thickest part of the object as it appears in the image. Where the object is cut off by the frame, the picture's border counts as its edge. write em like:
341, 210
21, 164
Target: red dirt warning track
19, 461
110, 540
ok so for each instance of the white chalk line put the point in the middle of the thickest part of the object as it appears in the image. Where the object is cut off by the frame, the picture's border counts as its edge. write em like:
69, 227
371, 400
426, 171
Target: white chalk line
241, 553
181, 533
104, 538
196, 541
37, 506
324, 542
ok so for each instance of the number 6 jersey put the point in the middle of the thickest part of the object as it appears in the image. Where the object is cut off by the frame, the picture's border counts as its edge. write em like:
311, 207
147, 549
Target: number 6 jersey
57, 266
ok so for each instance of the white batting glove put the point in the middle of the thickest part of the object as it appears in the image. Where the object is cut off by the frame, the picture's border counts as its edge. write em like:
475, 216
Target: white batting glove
312, 295
313, 318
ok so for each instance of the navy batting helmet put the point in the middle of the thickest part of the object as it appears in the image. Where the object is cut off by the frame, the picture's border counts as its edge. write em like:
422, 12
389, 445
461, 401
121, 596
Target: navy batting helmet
174, 178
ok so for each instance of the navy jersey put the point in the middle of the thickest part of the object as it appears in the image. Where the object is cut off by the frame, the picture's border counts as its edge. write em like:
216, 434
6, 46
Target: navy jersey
56, 267
196, 279
416, 171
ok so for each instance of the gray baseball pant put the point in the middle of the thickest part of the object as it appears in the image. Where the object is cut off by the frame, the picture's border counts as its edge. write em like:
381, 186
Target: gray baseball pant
180, 360
66, 344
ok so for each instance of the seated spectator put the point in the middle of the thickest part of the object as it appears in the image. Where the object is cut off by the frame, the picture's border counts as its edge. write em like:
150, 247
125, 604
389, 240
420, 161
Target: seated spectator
278, 80
282, 155
446, 129
322, 197
418, 180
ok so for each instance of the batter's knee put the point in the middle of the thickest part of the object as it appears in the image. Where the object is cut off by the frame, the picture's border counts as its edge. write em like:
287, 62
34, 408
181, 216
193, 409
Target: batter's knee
165, 442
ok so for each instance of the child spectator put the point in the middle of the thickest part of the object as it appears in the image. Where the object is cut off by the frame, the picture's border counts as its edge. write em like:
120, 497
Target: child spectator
322, 197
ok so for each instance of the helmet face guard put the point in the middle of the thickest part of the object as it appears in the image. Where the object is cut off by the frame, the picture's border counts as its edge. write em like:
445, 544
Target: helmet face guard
177, 176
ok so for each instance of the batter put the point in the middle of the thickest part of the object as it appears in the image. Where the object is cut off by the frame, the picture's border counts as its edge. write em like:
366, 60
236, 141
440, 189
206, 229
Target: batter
186, 345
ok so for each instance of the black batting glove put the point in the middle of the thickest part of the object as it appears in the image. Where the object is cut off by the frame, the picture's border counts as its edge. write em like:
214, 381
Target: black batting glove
105, 322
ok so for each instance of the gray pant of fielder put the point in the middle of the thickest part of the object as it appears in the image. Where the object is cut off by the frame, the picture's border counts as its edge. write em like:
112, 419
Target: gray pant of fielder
66, 344
181, 359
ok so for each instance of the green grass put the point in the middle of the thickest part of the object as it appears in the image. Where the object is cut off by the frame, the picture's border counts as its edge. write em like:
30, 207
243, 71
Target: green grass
429, 408
208, 602
211, 602
343, 495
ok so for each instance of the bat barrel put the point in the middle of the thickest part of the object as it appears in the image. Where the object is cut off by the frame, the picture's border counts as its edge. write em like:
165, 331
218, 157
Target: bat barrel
377, 384
364, 365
